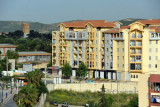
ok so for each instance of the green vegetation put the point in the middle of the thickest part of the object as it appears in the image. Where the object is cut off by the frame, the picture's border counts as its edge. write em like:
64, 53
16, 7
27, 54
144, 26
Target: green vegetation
29, 94
12, 55
35, 41
67, 70
82, 71
81, 98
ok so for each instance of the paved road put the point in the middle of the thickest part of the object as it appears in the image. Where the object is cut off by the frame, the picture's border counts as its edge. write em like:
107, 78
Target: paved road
10, 103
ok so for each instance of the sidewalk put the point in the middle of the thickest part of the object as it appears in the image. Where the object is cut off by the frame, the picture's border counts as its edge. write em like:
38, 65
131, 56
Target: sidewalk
5, 100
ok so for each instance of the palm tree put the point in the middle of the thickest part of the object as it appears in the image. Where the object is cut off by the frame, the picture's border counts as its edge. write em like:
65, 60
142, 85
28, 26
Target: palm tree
27, 96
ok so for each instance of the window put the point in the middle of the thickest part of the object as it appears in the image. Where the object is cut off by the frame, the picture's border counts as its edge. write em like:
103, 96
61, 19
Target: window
139, 36
156, 41
117, 49
139, 43
136, 76
149, 57
118, 57
150, 42
139, 51
133, 35
96, 41
96, 56
150, 50
123, 49
123, 57
156, 58
149, 65
107, 49
132, 43
96, 63
131, 76
132, 51
123, 65
107, 57
118, 65
122, 42
155, 65
156, 49
96, 49
107, 64
117, 42
54, 41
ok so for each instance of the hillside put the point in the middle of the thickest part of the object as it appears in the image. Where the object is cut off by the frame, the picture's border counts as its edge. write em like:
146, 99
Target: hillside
10, 26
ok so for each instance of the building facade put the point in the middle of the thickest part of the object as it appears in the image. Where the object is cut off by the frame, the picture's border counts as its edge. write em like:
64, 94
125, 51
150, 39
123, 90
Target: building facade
38, 56
5, 47
110, 50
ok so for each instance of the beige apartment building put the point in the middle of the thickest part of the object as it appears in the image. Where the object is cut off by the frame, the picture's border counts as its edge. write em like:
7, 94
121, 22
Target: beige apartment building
110, 50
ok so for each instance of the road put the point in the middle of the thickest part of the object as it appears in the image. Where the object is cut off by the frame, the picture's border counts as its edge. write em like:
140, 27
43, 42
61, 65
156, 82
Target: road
8, 102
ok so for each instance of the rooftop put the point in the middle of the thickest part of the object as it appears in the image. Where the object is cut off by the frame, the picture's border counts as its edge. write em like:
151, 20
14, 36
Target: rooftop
94, 23
151, 21
7, 45
34, 52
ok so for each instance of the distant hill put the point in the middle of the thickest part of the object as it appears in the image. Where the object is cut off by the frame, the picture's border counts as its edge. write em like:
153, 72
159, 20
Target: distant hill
11, 26
128, 21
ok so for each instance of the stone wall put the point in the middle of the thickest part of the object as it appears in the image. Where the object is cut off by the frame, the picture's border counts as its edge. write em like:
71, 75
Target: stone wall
111, 87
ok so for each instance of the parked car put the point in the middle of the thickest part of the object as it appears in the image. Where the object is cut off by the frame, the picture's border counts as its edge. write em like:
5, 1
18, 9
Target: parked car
55, 103
86, 105
65, 104
90, 81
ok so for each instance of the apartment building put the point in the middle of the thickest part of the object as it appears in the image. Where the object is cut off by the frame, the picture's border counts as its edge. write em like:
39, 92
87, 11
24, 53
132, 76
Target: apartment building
83, 41
110, 50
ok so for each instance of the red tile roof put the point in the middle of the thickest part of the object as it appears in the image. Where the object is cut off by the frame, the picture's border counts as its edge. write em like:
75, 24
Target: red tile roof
125, 27
115, 30
151, 21
94, 23
155, 78
157, 28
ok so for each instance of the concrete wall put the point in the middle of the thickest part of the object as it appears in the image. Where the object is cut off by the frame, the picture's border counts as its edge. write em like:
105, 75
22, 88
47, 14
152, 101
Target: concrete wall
111, 87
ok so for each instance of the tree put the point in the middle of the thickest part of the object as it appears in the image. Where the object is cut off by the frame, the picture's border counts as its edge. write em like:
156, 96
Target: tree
67, 70
133, 102
34, 77
103, 100
27, 96
9, 40
82, 70
12, 54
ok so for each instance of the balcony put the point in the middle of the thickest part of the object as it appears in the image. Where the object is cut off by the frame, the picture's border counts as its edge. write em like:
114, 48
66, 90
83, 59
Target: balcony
80, 45
54, 37
72, 35
80, 59
54, 51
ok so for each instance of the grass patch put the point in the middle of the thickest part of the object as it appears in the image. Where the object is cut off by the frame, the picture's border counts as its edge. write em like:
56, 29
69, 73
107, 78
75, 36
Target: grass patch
81, 98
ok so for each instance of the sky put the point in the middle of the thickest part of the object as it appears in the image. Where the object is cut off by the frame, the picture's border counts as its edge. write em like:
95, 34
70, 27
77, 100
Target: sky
53, 11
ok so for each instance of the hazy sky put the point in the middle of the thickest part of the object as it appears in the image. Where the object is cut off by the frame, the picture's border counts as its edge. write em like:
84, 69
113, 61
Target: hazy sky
51, 11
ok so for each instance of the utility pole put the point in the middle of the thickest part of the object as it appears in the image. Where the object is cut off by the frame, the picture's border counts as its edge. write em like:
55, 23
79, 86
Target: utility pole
7, 65
117, 89
45, 75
